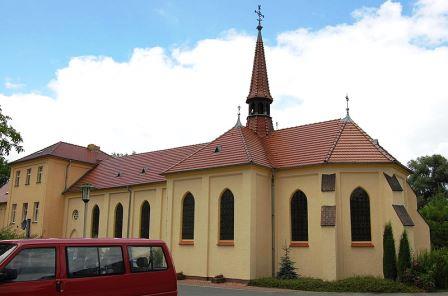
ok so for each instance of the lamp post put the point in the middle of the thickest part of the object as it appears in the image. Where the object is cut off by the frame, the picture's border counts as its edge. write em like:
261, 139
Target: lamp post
85, 196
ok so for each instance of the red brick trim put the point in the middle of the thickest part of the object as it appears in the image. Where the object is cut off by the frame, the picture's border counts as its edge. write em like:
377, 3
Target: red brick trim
226, 243
299, 244
362, 245
186, 242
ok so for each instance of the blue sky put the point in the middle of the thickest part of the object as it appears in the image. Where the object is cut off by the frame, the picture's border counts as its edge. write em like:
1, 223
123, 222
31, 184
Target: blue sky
39, 37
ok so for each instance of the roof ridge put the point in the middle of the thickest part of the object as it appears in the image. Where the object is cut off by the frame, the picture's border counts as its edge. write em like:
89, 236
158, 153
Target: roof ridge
161, 150
338, 137
194, 153
249, 156
307, 124
382, 151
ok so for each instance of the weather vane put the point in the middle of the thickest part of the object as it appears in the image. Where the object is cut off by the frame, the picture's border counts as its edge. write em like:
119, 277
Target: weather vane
260, 17
348, 108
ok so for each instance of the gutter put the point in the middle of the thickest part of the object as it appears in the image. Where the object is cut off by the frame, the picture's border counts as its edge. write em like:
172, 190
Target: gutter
66, 173
129, 211
273, 222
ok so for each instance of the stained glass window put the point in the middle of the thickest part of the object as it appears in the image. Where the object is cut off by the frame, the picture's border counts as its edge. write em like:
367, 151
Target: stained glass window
226, 225
299, 217
95, 221
145, 219
360, 215
118, 231
188, 217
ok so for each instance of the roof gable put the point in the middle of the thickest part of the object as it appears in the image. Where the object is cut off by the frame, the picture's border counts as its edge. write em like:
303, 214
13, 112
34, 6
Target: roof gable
134, 169
68, 151
239, 145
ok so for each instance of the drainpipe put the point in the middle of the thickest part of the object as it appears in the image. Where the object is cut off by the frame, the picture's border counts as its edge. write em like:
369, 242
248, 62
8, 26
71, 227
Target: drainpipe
273, 220
66, 173
129, 211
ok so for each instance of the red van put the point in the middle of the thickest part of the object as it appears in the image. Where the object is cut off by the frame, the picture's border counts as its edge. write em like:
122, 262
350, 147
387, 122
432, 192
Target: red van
85, 267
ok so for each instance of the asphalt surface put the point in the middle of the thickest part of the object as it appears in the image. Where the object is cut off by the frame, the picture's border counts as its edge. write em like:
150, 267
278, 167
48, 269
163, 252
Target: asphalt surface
193, 290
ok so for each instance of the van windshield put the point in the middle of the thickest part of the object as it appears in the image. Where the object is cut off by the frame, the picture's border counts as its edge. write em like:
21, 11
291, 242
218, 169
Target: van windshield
5, 250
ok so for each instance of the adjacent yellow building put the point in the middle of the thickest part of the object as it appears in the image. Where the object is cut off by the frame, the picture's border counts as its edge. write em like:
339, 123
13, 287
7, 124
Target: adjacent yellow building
326, 190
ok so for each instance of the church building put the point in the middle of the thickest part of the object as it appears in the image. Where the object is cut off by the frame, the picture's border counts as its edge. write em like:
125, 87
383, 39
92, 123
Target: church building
230, 206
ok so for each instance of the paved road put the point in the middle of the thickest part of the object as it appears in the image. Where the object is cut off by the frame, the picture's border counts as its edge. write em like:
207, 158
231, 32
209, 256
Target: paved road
191, 290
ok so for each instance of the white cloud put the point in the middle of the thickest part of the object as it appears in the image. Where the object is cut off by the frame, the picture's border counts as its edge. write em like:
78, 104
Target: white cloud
12, 85
393, 67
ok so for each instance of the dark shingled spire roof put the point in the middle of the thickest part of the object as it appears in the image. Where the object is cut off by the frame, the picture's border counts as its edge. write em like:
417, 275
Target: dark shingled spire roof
259, 85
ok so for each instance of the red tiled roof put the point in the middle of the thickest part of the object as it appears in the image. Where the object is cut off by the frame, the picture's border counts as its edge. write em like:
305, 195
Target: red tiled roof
4, 193
334, 141
259, 85
239, 145
104, 175
68, 151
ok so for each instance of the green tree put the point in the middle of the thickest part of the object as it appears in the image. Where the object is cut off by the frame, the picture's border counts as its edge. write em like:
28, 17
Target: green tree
389, 255
4, 171
287, 269
430, 177
436, 215
9, 137
404, 256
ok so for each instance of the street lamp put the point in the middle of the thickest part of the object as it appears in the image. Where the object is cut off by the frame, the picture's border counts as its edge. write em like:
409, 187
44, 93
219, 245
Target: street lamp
85, 196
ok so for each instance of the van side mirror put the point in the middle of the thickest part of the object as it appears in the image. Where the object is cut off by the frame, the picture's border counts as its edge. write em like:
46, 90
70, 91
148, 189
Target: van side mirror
8, 275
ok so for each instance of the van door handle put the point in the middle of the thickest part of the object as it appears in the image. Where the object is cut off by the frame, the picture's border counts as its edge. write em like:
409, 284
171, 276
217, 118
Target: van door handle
59, 286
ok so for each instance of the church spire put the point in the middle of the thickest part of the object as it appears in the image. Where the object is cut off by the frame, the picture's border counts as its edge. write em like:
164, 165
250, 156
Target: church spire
259, 98
259, 85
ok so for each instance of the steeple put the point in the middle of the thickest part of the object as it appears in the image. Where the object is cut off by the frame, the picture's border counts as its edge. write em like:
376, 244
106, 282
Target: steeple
259, 98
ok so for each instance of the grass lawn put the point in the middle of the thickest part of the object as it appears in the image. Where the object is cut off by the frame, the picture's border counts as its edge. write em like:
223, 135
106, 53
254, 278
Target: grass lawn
354, 284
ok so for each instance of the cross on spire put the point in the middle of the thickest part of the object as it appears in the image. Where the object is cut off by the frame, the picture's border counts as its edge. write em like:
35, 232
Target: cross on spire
347, 109
260, 17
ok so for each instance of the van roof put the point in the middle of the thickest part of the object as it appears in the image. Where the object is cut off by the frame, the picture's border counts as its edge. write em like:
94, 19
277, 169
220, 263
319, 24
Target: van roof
84, 241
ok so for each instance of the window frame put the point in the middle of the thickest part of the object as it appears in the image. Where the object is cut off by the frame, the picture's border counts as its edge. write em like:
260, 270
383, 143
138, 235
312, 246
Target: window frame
24, 211
97, 247
359, 241
225, 241
13, 213
17, 179
188, 240
142, 246
300, 241
28, 176
39, 174
36, 212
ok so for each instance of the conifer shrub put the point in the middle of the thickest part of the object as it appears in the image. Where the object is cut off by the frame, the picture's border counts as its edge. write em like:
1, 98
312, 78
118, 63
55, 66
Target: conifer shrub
389, 255
287, 266
404, 256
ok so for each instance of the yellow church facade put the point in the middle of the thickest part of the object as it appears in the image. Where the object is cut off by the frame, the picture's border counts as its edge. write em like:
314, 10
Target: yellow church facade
230, 206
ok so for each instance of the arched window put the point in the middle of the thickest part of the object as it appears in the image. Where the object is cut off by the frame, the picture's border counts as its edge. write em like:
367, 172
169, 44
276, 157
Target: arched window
118, 228
252, 109
145, 219
299, 217
260, 108
227, 206
95, 221
360, 215
188, 217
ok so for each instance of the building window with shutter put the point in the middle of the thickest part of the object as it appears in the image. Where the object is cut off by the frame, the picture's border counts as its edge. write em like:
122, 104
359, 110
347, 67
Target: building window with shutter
28, 177
95, 221
118, 227
145, 219
17, 180
36, 212
360, 215
13, 213
226, 218
39, 174
188, 217
299, 217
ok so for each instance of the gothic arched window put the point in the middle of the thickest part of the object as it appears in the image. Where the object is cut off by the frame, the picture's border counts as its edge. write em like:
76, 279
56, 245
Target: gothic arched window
118, 227
360, 215
226, 218
95, 221
299, 217
145, 218
188, 217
